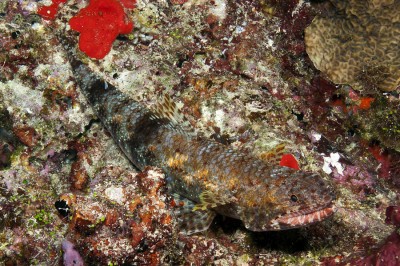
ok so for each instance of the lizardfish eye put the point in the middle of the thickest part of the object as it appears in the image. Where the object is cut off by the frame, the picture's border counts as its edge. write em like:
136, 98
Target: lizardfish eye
293, 198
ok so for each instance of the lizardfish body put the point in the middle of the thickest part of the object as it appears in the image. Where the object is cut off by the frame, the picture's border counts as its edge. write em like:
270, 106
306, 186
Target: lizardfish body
208, 176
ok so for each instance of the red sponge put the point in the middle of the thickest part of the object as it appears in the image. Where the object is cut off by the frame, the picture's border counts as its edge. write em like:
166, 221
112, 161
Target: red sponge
99, 25
50, 12
289, 160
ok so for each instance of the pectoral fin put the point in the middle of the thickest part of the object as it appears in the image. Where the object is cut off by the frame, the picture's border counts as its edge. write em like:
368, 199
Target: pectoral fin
167, 108
189, 220
209, 200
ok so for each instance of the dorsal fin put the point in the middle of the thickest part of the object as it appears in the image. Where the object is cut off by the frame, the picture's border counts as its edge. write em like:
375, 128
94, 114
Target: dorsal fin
274, 155
279, 156
167, 108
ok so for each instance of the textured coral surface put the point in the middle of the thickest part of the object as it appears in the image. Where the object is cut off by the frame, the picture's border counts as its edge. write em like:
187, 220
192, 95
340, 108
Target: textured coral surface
240, 74
357, 43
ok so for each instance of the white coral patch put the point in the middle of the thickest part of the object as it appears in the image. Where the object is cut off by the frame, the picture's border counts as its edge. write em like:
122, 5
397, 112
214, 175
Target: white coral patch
332, 162
299, 6
115, 194
316, 136
219, 9
219, 118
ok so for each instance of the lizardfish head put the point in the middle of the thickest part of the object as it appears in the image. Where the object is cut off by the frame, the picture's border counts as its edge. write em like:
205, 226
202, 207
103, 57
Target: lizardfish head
288, 199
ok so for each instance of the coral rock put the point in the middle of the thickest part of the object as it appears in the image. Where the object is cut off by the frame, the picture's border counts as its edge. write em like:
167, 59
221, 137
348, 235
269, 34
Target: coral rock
178, 2
87, 219
393, 215
79, 176
388, 254
26, 135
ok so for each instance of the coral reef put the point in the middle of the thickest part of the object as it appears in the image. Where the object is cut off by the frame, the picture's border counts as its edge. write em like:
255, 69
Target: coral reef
134, 205
356, 43
240, 74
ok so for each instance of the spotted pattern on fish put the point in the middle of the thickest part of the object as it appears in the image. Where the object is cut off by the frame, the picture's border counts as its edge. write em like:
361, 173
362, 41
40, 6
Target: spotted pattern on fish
209, 176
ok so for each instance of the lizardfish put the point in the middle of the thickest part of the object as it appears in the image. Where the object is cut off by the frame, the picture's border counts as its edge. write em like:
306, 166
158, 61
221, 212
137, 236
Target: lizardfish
207, 176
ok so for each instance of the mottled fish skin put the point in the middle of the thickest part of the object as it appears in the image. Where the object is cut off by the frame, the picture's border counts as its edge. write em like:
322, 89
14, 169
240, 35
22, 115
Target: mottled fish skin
215, 177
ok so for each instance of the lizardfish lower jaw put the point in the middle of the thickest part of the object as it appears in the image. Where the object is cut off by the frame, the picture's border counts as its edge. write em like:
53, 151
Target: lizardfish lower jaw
294, 220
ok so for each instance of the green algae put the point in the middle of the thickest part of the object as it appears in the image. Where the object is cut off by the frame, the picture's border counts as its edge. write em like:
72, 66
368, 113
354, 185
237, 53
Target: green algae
382, 123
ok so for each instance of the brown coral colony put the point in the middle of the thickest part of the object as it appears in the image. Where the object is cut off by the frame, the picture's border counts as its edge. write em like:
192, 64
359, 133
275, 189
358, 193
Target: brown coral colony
358, 43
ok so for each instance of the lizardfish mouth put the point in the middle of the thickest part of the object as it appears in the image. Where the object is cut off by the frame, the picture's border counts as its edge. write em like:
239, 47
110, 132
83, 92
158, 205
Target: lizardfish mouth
297, 219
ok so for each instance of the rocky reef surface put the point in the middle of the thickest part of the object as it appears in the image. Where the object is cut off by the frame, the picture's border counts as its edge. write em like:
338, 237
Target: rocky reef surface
241, 74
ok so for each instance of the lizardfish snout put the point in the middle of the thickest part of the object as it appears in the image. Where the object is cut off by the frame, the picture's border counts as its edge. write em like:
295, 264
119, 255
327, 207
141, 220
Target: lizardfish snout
306, 217
289, 199
309, 199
